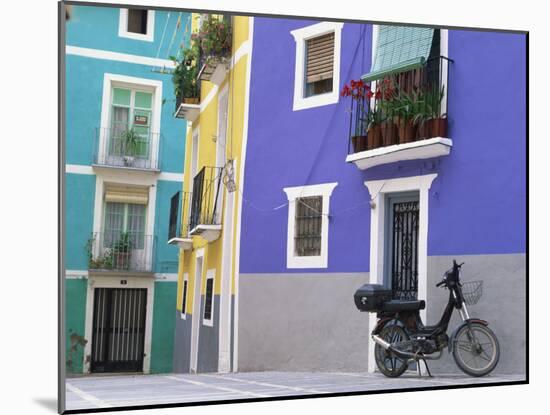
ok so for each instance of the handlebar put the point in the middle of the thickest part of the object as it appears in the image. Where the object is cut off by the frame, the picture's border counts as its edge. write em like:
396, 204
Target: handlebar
444, 280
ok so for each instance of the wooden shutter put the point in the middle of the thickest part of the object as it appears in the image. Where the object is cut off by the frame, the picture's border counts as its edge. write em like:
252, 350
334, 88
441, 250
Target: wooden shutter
320, 58
126, 194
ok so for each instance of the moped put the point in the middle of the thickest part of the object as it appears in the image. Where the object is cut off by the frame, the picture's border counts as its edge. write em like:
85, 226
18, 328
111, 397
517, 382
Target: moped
402, 339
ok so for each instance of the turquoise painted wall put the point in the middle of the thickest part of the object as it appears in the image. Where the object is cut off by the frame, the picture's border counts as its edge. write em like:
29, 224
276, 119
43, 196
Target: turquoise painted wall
164, 324
166, 255
82, 31
75, 307
79, 217
84, 100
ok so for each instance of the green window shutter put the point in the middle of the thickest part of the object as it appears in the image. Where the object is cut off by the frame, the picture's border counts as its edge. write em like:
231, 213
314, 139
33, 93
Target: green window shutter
121, 96
400, 48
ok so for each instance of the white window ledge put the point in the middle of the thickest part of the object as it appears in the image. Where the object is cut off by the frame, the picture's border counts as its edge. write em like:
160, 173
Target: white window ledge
207, 232
189, 112
183, 243
421, 149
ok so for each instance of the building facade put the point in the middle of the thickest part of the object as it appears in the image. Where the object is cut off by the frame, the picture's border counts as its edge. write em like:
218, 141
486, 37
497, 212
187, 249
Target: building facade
124, 153
324, 213
205, 213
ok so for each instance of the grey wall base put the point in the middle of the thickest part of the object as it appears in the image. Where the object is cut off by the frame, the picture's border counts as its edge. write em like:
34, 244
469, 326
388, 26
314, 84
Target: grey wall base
503, 305
301, 322
207, 360
309, 322
182, 343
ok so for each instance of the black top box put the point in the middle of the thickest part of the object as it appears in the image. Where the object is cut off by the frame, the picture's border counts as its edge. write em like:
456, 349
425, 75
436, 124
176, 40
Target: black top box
371, 297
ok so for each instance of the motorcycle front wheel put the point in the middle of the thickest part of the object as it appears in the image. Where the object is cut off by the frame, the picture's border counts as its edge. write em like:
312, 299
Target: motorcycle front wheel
476, 350
389, 364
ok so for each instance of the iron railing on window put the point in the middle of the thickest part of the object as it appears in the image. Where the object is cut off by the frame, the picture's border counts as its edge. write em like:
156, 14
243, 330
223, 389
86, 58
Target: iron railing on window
206, 200
130, 148
308, 217
179, 204
121, 251
401, 107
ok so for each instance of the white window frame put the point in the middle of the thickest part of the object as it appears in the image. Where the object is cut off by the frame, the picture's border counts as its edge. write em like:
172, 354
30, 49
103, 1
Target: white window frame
301, 36
378, 190
184, 280
210, 274
293, 193
111, 81
123, 27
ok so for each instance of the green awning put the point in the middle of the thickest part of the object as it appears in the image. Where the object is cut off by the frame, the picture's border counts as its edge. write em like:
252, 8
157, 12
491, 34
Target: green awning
398, 49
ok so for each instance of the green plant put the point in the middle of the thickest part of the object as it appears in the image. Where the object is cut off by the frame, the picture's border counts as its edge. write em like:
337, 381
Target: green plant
186, 72
123, 244
213, 37
130, 139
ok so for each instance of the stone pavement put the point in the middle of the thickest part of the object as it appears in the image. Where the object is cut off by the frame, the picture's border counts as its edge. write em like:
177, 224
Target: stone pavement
130, 390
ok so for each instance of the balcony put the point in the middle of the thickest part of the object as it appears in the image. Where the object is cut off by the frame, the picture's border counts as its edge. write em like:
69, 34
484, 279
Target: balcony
188, 90
178, 230
127, 149
214, 61
121, 252
402, 116
205, 218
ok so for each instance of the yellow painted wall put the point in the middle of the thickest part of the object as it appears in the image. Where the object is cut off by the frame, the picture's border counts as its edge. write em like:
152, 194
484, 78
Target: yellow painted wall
207, 123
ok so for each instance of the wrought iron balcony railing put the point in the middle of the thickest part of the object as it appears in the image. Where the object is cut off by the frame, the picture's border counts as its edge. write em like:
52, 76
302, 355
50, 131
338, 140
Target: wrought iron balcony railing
179, 204
206, 199
130, 148
121, 251
399, 108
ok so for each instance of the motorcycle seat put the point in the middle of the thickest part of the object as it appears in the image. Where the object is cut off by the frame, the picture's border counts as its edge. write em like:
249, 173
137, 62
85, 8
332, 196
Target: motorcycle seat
403, 305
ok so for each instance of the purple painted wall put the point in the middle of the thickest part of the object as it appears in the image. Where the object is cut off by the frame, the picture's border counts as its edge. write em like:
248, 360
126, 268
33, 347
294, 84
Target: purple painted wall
477, 203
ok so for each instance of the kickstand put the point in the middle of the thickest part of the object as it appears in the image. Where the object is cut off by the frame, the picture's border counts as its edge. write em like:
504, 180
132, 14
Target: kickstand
425, 364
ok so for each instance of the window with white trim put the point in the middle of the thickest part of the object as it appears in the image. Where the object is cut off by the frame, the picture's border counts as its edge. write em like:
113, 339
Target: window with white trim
308, 225
317, 67
208, 311
137, 24
184, 288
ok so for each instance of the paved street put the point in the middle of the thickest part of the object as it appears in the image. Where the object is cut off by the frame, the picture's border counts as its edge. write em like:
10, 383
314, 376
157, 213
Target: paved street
113, 391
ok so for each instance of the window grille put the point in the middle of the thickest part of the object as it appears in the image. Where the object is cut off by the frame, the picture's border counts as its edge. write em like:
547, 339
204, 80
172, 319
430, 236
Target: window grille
308, 224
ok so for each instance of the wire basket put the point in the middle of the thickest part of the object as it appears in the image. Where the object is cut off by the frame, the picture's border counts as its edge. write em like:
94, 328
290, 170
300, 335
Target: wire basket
472, 291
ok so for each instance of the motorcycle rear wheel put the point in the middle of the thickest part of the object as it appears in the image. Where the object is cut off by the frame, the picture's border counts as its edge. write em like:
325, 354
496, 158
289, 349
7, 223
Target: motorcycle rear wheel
389, 364
476, 350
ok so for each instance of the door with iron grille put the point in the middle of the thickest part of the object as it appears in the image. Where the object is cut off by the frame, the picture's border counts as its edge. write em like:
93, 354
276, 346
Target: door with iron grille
118, 329
402, 246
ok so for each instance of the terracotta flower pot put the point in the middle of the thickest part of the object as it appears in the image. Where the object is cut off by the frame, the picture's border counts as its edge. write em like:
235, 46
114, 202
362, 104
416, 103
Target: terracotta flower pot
439, 127
389, 133
359, 143
424, 130
406, 131
374, 137
121, 260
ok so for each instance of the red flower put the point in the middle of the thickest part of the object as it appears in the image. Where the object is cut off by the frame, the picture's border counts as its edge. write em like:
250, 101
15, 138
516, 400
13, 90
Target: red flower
346, 91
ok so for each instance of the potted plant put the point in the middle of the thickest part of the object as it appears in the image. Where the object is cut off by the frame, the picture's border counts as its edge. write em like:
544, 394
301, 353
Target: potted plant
213, 39
407, 106
386, 100
121, 252
184, 77
130, 142
374, 132
423, 114
438, 120
359, 92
